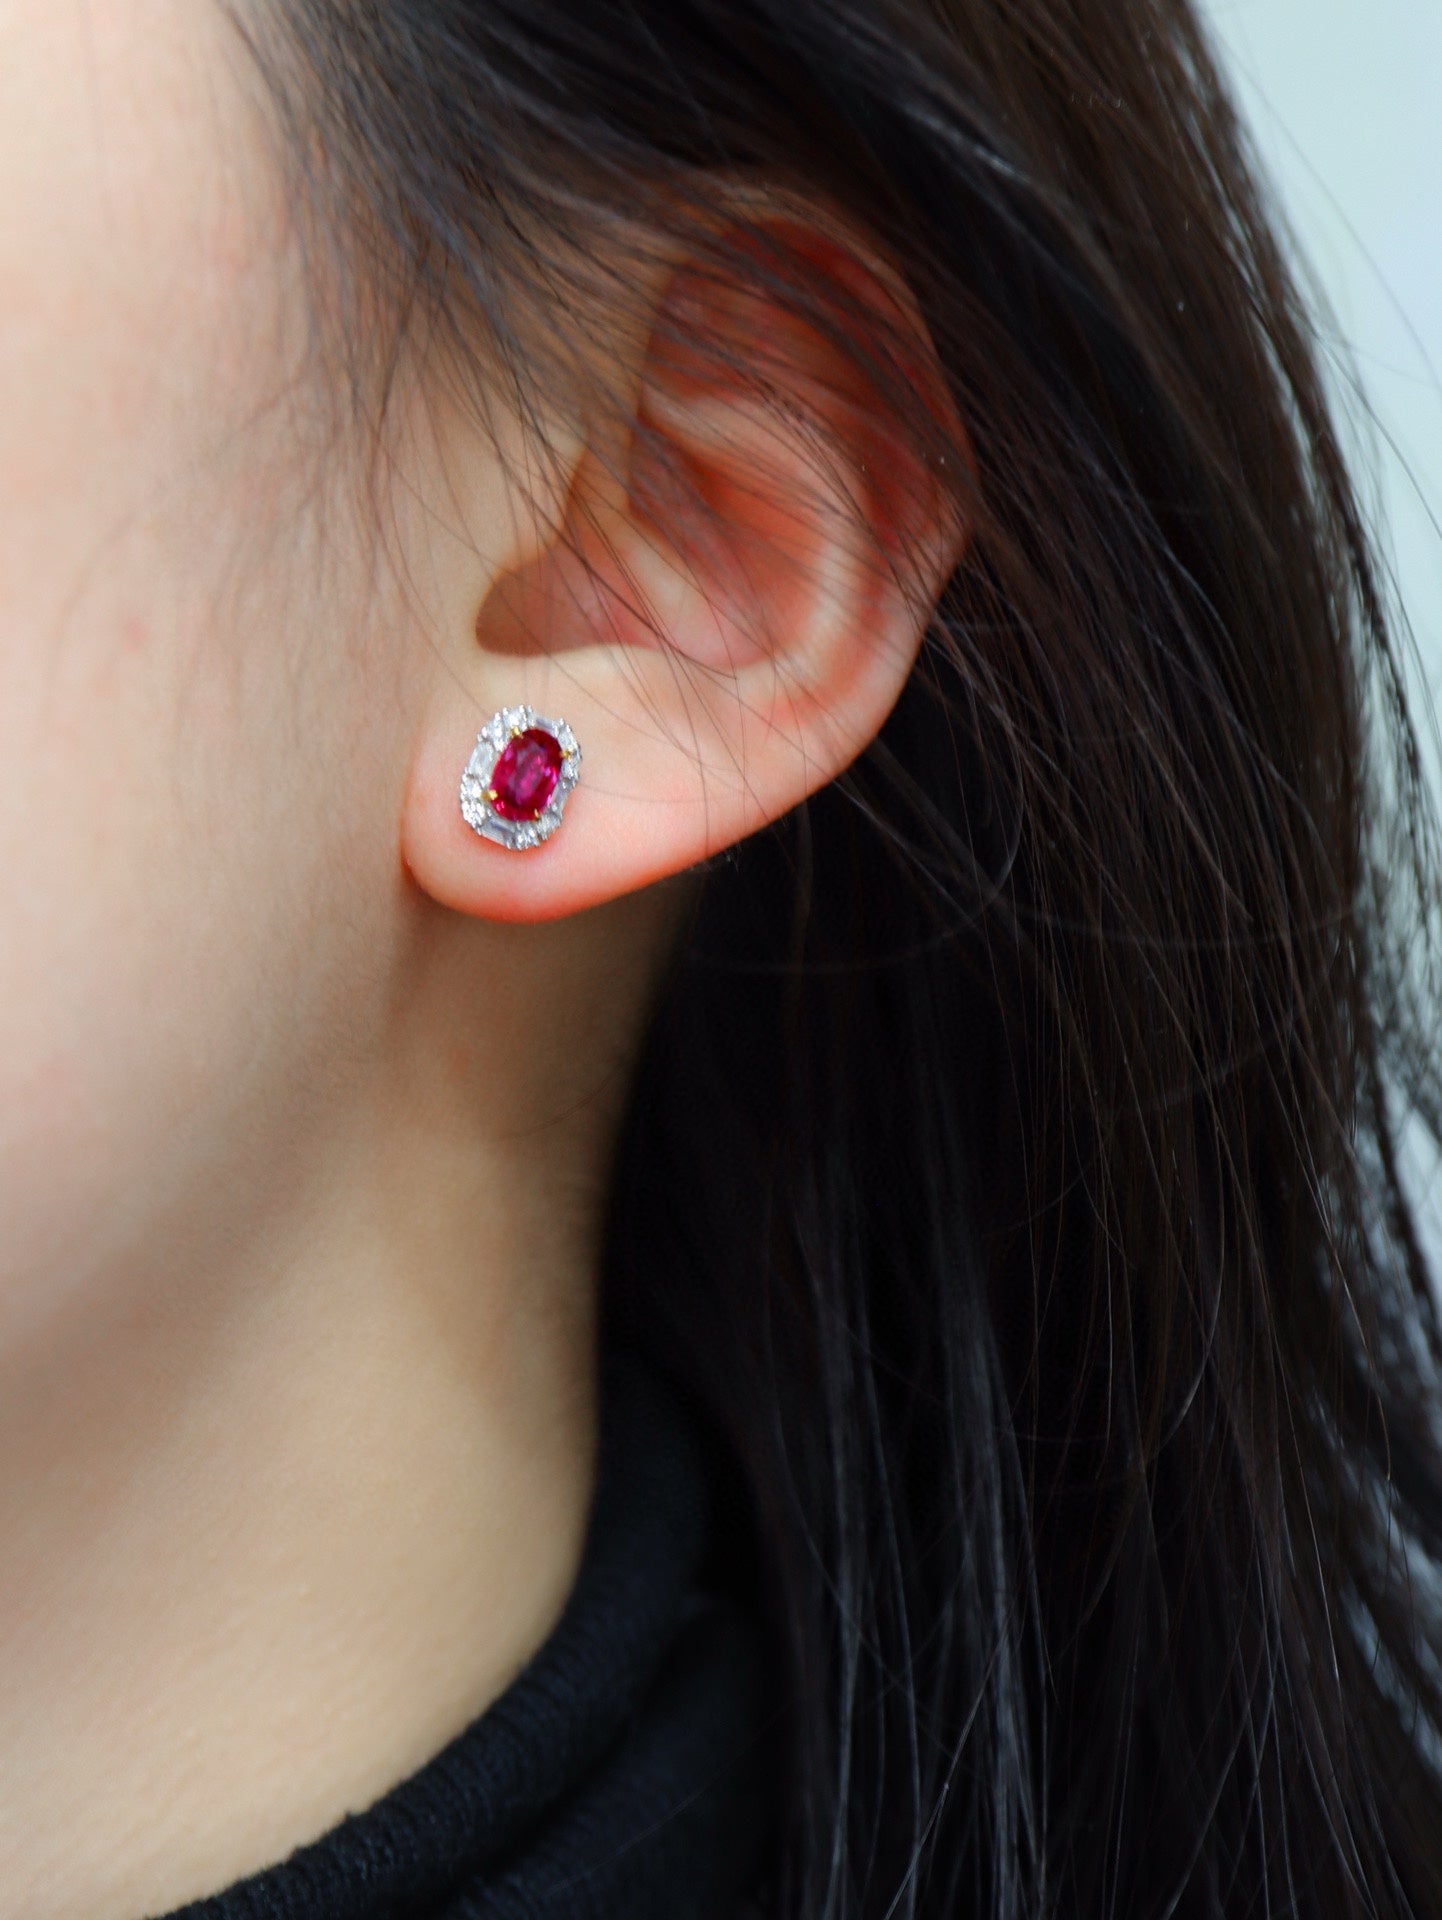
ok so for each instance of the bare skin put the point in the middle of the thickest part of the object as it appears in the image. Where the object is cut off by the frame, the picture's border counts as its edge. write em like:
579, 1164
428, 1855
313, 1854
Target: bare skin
300, 1173
308, 1097
287, 1512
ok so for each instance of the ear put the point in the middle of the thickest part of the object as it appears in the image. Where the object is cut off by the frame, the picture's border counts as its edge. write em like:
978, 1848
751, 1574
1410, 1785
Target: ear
734, 589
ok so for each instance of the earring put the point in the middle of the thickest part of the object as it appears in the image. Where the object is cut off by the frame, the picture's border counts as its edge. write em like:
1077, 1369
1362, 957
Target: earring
517, 780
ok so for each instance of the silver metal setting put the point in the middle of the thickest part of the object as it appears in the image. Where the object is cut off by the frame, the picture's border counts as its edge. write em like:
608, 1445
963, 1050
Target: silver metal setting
476, 807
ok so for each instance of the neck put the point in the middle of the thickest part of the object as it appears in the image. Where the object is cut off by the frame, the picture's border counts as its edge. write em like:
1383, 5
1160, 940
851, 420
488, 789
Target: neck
281, 1523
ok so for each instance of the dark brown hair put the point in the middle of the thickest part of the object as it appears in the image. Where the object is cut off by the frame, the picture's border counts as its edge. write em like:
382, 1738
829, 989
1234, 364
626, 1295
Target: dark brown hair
1013, 1168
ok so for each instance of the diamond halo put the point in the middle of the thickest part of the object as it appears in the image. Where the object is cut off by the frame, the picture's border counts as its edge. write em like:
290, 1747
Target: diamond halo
477, 805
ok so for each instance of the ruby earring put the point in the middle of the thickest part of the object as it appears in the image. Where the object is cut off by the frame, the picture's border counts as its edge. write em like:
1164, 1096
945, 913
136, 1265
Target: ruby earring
518, 778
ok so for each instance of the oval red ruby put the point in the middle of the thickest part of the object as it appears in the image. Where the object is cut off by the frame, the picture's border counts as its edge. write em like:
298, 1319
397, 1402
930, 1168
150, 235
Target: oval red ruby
525, 774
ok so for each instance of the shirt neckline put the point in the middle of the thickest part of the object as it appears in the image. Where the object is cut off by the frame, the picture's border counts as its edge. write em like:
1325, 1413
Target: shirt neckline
619, 1773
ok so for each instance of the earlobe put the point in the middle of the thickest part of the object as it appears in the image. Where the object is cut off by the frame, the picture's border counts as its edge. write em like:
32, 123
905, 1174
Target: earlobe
724, 616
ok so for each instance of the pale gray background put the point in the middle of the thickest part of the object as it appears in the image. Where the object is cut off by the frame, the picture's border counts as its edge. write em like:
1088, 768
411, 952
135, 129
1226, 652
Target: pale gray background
1344, 100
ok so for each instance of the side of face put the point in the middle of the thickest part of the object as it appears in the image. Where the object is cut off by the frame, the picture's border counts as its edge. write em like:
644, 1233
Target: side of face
234, 706
196, 822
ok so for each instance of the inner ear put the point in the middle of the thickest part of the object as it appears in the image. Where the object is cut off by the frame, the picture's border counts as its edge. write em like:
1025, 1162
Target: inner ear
768, 468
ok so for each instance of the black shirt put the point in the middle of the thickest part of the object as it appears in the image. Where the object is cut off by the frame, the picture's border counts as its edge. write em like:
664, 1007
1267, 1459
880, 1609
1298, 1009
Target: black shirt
621, 1774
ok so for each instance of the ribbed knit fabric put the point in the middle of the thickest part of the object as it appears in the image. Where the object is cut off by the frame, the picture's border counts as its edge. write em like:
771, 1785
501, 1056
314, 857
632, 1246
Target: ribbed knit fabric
619, 1777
